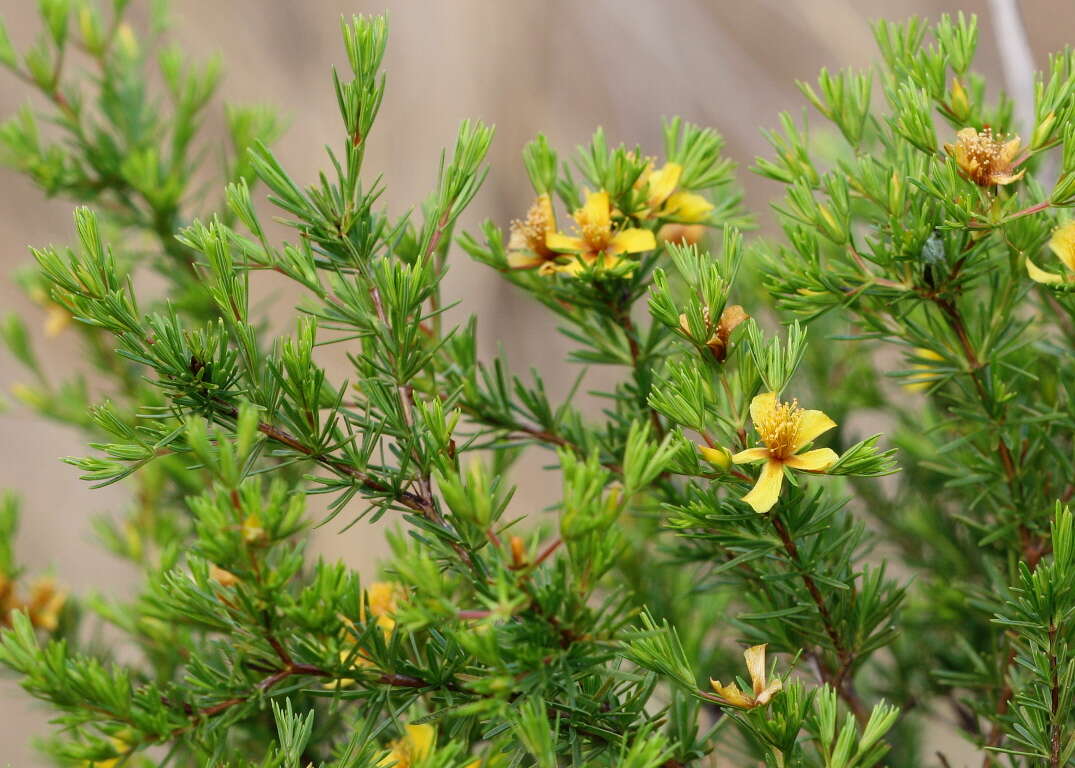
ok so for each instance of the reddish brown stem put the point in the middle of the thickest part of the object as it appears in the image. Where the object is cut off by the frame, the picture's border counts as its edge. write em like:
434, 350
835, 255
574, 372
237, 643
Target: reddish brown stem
840, 680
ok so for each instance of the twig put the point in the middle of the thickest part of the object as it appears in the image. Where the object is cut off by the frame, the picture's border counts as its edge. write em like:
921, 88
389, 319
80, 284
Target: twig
840, 680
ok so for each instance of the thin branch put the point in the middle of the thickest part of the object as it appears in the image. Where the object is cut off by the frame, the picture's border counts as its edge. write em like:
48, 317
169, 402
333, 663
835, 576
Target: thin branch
840, 680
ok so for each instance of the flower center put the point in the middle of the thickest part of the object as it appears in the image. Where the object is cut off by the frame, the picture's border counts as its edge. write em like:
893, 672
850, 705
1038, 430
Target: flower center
779, 429
532, 230
984, 154
596, 234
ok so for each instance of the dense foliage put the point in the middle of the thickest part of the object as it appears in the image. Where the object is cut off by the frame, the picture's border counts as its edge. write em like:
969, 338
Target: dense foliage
703, 510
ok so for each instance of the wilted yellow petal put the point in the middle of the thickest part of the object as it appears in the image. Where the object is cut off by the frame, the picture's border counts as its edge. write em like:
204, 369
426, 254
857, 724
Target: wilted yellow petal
755, 658
731, 694
1010, 150
766, 694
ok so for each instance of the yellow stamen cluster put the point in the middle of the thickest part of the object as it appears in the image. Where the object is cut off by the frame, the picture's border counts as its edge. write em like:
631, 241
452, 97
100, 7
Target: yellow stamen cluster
595, 233
529, 233
779, 429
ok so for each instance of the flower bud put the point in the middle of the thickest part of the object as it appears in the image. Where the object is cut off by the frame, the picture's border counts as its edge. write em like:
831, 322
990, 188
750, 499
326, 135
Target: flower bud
518, 552
959, 103
721, 458
1042, 131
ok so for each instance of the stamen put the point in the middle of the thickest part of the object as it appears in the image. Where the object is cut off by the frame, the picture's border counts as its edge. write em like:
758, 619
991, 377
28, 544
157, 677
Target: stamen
779, 429
595, 235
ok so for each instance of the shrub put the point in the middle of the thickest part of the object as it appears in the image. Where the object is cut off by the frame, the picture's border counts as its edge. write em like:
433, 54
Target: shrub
703, 510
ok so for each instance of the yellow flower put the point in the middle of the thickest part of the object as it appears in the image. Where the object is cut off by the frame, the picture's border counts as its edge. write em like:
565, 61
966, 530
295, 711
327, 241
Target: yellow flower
384, 598
660, 184
120, 746
45, 604
755, 658
358, 661
9, 600
785, 429
686, 208
1062, 244
664, 202
596, 238
416, 744
253, 532
527, 248
56, 320
730, 319
983, 159
919, 382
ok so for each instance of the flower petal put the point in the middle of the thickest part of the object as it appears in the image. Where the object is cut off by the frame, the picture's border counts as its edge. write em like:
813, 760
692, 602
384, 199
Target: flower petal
687, 207
812, 424
761, 406
663, 183
750, 454
1007, 178
813, 461
609, 261
1062, 244
755, 657
1039, 275
597, 210
764, 696
632, 241
572, 267
766, 491
731, 694
1009, 150
524, 259
420, 739
561, 243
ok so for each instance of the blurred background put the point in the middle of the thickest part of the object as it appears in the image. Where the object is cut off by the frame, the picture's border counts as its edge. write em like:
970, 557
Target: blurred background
553, 66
